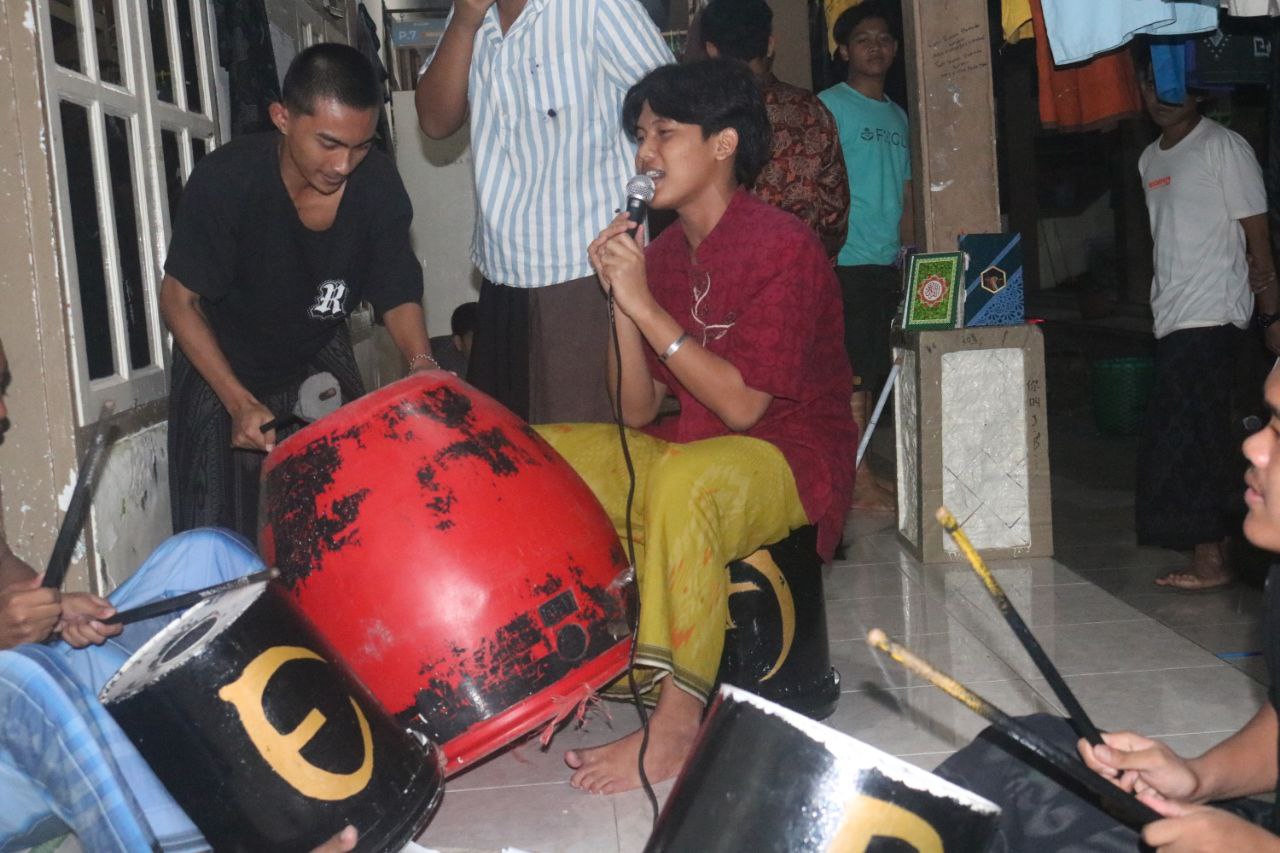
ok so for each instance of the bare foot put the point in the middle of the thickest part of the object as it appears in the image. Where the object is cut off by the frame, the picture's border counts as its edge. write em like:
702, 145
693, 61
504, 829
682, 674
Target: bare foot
1208, 570
1192, 582
614, 767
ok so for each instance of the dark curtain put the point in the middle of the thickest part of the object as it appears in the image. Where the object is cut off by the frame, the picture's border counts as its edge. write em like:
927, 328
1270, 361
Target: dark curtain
244, 45
820, 61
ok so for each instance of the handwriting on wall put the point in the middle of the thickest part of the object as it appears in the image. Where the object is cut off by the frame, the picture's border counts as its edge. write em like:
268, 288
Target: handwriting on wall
960, 52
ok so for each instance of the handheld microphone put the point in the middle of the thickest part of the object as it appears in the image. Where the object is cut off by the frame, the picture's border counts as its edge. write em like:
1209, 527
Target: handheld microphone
640, 191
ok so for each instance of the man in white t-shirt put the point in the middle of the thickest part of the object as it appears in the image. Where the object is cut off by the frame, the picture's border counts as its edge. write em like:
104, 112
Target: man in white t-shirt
1207, 205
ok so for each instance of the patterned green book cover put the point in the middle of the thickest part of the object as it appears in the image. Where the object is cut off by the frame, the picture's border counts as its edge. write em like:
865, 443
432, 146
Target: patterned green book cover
934, 283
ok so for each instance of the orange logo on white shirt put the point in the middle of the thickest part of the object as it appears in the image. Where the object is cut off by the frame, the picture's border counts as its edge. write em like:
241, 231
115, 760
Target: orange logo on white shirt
1159, 182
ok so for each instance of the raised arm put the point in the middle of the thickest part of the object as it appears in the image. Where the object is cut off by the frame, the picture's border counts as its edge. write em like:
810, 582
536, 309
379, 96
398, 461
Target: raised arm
441, 94
714, 381
641, 394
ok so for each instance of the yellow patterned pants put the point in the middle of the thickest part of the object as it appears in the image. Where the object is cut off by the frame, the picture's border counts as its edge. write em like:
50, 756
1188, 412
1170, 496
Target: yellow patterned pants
697, 507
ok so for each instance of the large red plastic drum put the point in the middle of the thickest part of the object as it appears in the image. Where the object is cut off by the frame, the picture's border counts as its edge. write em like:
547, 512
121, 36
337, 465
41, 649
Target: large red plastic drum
457, 563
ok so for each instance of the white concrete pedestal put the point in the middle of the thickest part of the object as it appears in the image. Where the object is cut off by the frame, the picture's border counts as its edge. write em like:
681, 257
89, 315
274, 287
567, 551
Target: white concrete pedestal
972, 435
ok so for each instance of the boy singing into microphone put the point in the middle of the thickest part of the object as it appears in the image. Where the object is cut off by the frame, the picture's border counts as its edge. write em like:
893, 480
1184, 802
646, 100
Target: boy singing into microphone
735, 312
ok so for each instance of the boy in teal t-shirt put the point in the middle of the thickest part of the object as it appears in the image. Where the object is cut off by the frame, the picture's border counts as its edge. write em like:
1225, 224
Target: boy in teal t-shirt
875, 138
877, 157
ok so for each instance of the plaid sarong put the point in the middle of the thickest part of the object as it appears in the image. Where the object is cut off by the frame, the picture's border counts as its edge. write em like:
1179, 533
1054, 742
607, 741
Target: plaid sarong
65, 766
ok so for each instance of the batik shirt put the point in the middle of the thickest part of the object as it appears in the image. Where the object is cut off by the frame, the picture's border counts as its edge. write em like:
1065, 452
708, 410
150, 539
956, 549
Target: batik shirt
805, 175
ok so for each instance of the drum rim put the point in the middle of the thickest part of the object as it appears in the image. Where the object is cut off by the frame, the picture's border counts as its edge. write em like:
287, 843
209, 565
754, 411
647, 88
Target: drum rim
238, 601
846, 746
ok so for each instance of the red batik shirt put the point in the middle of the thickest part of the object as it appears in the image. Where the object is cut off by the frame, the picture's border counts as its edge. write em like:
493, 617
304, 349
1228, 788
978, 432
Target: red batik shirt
761, 294
805, 175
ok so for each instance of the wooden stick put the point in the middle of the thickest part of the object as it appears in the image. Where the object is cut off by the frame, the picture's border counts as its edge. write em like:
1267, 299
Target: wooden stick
1079, 719
162, 606
1120, 804
78, 507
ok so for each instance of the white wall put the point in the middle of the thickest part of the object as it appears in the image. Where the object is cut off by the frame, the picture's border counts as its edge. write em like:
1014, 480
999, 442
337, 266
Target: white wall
438, 176
131, 514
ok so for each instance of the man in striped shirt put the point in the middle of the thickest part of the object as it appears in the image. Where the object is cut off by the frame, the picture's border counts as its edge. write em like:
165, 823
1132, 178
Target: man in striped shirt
544, 82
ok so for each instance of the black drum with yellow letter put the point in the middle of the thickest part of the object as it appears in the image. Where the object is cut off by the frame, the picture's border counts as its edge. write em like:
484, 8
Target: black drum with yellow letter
766, 779
263, 737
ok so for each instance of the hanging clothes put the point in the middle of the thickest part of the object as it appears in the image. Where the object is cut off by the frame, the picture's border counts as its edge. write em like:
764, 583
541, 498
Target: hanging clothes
1238, 54
1251, 8
1169, 69
821, 65
370, 47
834, 9
1091, 96
1080, 29
245, 51
1015, 20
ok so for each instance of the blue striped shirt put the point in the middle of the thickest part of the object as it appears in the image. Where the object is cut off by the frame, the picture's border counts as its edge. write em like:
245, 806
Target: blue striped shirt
551, 157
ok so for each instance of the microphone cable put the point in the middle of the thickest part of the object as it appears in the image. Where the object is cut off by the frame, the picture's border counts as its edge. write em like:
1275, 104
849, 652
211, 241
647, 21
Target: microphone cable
641, 711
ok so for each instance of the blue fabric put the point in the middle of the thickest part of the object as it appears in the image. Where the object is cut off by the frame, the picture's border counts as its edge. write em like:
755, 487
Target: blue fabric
64, 763
1081, 29
1169, 67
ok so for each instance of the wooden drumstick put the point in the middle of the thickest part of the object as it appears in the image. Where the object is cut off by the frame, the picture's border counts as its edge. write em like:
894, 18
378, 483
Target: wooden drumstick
1120, 804
1079, 719
161, 606
78, 506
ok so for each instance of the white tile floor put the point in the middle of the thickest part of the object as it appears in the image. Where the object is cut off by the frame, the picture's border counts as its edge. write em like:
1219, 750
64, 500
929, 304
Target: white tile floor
1128, 669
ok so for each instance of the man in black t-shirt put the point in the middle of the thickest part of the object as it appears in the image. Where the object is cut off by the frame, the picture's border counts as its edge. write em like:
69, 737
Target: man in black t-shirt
1038, 814
278, 237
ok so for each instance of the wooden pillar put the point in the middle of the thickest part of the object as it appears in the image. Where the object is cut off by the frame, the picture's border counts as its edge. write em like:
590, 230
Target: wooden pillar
969, 407
38, 454
953, 148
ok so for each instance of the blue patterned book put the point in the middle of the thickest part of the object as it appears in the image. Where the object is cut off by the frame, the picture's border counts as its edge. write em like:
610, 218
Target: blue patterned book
993, 280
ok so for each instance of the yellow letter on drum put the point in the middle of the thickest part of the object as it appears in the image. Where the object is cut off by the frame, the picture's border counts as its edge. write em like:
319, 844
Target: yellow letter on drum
763, 563
867, 818
283, 751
